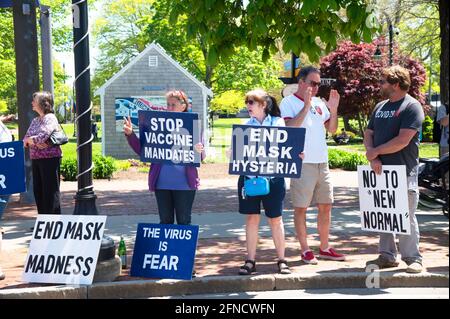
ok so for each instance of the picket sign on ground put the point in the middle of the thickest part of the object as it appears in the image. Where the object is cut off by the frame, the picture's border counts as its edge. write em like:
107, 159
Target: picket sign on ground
164, 251
383, 199
64, 249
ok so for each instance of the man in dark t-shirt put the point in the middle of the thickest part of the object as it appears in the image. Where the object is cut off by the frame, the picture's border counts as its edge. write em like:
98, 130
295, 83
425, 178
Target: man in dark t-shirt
392, 138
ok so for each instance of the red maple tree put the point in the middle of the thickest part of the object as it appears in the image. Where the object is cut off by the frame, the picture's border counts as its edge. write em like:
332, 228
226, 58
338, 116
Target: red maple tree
357, 73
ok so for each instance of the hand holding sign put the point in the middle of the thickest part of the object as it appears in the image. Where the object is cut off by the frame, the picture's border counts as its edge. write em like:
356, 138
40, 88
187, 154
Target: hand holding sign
199, 148
376, 165
127, 126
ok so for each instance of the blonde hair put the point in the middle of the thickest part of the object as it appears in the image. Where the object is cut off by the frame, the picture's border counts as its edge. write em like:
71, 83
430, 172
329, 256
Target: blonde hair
397, 74
180, 96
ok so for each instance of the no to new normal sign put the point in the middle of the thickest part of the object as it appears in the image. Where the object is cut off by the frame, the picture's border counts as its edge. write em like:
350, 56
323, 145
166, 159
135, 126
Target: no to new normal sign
267, 151
169, 137
64, 249
383, 200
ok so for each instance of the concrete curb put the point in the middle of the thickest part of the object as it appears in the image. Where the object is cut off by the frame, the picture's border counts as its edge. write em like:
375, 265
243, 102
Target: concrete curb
51, 292
227, 284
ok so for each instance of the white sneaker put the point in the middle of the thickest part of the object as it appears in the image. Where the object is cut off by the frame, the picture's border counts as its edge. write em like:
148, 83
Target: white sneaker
414, 268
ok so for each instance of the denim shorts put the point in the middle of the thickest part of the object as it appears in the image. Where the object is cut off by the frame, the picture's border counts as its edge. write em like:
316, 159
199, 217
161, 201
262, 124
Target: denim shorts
272, 202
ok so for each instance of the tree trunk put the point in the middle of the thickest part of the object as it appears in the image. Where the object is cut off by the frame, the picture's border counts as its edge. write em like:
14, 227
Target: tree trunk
361, 127
208, 76
347, 126
444, 16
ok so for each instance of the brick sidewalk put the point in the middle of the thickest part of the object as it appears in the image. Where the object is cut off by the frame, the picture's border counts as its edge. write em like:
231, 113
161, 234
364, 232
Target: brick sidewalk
128, 195
225, 255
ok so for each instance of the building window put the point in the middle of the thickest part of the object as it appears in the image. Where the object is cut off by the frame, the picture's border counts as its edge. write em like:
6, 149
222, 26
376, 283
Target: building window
153, 61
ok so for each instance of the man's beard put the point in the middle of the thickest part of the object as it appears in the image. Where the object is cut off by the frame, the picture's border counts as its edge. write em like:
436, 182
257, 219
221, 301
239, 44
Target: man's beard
385, 93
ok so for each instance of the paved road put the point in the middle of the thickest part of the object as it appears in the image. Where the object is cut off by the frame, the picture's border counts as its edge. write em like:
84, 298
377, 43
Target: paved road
390, 293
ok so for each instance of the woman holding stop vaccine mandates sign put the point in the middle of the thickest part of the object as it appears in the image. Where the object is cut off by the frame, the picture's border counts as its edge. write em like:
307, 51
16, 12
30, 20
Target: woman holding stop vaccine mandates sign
264, 111
174, 185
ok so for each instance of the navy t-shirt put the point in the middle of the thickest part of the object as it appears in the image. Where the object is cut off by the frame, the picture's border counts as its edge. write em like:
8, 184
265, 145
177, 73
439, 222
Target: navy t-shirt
387, 120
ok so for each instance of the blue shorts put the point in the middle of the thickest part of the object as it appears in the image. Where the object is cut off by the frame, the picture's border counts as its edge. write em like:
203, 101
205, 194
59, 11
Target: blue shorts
272, 202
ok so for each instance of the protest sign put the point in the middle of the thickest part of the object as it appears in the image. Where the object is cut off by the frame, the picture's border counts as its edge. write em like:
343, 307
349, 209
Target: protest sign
169, 137
383, 199
64, 249
164, 251
267, 151
12, 168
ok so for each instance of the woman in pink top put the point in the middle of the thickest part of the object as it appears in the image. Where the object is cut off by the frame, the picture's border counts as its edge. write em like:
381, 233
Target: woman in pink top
45, 157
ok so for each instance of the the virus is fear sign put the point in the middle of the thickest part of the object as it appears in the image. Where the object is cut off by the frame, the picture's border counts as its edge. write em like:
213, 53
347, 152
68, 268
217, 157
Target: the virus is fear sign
383, 200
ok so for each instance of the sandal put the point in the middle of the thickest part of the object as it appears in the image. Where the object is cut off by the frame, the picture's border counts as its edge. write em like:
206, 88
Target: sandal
283, 267
246, 270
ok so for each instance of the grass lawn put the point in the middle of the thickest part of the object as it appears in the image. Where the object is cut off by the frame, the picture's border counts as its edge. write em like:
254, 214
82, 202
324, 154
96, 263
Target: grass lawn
426, 150
221, 139
220, 142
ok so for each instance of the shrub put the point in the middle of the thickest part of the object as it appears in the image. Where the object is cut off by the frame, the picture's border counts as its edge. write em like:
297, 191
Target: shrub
346, 160
68, 169
104, 167
353, 160
123, 165
427, 129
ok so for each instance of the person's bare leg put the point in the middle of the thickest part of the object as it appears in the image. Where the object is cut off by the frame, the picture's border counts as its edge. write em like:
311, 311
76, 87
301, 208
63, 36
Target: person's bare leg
300, 227
277, 227
251, 233
323, 224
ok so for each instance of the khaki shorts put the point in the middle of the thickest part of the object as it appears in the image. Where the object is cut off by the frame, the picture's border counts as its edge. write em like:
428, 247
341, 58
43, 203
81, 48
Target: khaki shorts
313, 187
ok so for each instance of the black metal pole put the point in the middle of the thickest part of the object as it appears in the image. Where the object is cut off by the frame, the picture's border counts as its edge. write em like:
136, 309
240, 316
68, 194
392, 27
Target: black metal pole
27, 76
85, 197
293, 60
391, 43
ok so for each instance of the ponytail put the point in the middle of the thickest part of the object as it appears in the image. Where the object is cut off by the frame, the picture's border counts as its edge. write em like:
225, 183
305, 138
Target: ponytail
272, 106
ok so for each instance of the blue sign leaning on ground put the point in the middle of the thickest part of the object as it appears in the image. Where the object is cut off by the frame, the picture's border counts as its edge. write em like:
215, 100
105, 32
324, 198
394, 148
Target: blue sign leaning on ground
169, 137
12, 168
267, 151
164, 251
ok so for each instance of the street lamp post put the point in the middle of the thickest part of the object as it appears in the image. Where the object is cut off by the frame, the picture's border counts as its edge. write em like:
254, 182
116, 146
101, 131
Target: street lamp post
85, 197
378, 53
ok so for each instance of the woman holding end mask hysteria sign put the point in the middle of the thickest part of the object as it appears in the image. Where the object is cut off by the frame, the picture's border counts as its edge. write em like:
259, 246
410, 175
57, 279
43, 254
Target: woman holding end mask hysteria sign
174, 185
264, 111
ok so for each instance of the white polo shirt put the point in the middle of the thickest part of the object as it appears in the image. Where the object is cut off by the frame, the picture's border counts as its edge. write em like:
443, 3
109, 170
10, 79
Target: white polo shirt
5, 134
316, 150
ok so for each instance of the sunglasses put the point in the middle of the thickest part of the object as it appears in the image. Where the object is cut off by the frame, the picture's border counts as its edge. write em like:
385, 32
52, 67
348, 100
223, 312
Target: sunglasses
313, 83
250, 102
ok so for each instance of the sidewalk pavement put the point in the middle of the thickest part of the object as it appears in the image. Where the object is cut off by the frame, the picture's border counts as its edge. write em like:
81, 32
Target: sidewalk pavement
221, 251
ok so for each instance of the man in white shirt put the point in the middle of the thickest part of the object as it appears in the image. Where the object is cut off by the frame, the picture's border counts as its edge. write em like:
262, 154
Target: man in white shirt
304, 109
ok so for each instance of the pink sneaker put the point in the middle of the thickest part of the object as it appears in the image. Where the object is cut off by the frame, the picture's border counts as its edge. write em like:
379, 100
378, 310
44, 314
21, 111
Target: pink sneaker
309, 258
331, 254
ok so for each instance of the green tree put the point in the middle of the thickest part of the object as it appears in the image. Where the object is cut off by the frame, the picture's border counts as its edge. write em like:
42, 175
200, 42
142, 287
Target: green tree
118, 36
7, 59
242, 71
302, 26
229, 102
